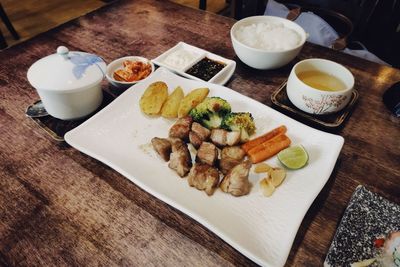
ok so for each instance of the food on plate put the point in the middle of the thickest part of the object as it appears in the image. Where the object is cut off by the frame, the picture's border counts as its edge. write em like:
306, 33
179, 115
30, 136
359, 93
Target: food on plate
180, 58
386, 252
133, 71
230, 157
171, 106
294, 157
218, 137
236, 181
180, 159
268, 148
204, 177
201, 131
274, 178
210, 112
265, 137
267, 187
277, 176
162, 146
153, 98
198, 134
207, 153
206, 68
191, 100
262, 167
221, 137
271, 36
242, 122
181, 128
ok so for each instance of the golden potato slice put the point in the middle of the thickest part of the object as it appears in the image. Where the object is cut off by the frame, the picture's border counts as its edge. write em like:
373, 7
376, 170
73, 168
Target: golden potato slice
277, 176
267, 187
191, 100
153, 98
171, 106
262, 167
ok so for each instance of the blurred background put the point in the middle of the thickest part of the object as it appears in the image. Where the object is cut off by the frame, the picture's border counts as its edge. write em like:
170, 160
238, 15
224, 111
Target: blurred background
373, 23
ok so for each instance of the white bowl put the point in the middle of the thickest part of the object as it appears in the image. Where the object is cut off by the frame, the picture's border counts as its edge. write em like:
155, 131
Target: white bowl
68, 83
316, 101
117, 64
264, 59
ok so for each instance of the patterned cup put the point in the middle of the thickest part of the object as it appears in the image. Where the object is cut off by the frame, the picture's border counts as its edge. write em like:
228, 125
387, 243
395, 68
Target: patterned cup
315, 101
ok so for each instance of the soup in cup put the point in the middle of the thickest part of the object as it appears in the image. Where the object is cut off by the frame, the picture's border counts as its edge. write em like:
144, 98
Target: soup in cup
320, 86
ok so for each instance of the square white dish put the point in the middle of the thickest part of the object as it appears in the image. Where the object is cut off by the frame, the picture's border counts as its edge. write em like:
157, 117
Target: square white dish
221, 77
261, 228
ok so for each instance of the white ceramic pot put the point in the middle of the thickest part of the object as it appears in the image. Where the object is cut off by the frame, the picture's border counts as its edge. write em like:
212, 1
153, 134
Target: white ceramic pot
264, 59
316, 101
68, 83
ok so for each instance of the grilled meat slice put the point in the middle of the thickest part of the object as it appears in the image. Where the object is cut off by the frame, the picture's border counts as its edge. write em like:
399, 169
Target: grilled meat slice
230, 157
207, 153
236, 182
201, 131
181, 128
180, 160
232, 138
194, 139
162, 146
204, 177
218, 137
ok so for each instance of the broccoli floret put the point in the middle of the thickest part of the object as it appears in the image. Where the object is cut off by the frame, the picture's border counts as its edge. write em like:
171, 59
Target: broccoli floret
240, 121
210, 112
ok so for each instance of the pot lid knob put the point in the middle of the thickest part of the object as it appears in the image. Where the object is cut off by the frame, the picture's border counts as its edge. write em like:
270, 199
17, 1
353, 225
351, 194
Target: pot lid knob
63, 51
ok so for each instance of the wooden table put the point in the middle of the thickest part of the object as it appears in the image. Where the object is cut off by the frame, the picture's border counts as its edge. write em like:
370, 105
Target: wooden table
61, 207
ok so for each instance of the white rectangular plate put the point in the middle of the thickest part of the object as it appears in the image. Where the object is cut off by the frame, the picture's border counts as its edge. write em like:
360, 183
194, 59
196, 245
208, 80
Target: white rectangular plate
261, 228
220, 78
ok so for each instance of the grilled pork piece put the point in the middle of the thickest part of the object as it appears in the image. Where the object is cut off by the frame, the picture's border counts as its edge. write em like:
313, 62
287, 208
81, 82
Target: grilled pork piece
207, 153
195, 140
204, 177
230, 157
181, 128
221, 137
218, 137
232, 138
180, 160
162, 146
236, 182
201, 131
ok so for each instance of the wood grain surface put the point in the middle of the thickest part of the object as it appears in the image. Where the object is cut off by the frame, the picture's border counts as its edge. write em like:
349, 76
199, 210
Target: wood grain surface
61, 207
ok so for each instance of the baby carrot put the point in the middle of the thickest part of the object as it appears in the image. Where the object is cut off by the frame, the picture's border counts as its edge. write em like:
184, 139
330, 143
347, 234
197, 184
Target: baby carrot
265, 137
268, 148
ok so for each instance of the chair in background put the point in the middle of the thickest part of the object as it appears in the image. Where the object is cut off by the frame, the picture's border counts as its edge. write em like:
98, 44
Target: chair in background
7, 22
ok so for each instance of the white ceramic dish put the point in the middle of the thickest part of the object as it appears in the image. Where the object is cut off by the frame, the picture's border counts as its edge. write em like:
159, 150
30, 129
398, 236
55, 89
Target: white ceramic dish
261, 228
117, 64
264, 59
68, 83
221, 77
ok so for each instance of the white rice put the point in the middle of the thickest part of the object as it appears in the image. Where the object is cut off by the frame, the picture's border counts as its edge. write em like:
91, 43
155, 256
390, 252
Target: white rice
268, 36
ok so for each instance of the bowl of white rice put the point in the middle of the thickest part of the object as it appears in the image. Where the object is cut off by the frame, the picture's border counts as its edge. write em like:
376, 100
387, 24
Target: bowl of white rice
266, 42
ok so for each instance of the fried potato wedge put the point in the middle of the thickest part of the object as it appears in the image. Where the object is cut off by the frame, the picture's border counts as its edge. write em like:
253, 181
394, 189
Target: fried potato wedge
171, 106
191, 100
153, 98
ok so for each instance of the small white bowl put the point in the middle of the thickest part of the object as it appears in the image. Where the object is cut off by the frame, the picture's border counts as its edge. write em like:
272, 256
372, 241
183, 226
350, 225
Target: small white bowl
316, 101
264, 59
117, 64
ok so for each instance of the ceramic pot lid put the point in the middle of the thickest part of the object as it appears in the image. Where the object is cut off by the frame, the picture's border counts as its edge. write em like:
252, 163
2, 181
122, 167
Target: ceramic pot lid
66, 71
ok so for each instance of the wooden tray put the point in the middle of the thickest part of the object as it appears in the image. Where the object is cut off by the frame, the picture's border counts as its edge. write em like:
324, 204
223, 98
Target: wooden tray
57, 128
327, 122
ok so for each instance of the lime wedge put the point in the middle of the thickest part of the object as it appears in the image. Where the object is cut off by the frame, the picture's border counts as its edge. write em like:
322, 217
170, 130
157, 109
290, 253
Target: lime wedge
294, 157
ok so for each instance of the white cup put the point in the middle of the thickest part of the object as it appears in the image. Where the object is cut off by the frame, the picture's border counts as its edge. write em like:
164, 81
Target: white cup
315, 101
